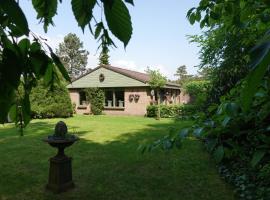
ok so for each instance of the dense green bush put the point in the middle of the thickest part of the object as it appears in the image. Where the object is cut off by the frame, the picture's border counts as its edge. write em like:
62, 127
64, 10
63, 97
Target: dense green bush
96, 97
50, 102
167, 111
198, 91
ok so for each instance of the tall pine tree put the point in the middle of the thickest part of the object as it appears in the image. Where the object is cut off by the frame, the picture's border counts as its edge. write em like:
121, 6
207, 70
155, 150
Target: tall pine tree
104, 57
72, 55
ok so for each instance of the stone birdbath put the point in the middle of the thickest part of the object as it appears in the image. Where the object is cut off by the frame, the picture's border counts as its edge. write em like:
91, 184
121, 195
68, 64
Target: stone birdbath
60, 172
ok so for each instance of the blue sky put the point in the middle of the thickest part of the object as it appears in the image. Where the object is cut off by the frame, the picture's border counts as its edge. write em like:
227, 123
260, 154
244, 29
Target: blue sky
158, 41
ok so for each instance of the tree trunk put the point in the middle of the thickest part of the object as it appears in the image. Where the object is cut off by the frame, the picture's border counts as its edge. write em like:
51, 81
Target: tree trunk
158, 98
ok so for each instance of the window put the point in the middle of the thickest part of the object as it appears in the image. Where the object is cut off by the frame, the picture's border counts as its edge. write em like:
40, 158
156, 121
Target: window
114, 98
82, 98
119, 98
108, 98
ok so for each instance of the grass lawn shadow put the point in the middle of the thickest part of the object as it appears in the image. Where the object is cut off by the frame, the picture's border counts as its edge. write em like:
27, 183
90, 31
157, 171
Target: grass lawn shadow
106, 164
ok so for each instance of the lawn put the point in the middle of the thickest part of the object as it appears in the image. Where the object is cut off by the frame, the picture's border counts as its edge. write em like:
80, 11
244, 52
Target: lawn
106, 164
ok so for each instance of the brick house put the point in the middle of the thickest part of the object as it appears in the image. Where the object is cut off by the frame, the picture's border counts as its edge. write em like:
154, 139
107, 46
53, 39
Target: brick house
126, 92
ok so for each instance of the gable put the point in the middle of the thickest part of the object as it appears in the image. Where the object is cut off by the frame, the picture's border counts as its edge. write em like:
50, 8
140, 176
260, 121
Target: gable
111, 79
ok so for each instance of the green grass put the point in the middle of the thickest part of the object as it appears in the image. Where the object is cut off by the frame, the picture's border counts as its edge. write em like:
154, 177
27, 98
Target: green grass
106, 164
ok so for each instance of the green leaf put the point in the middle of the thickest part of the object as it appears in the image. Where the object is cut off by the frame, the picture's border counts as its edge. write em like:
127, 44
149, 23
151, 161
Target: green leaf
214, 15
60, 66
226, 121
83, 11
118, 20
13, 113
99, 27
198, 16
219, 153
24, 45
39, 61
26, 110
198, 132
257, 157
231, 109
46, 10
15, 14
48, 74
211, 144
130, 1
192, 18
183, 133
190, 11
255, 77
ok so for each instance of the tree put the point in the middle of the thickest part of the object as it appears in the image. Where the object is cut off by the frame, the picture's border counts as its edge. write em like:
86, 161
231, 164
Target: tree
51, 103
104, 57
182, 74
156, 82
96, 98
72, 55
26, 61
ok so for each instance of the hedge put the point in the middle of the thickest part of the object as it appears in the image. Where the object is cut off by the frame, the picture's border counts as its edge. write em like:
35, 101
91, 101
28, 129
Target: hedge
167, 111
50, 103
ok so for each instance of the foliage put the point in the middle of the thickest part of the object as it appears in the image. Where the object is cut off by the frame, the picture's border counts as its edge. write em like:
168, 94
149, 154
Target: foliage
169, 111
236, 46
182, 75
72, 55
235, 125
194, 88
50, 103
27, 61
197, 91
96, 97
104, 57
156, 81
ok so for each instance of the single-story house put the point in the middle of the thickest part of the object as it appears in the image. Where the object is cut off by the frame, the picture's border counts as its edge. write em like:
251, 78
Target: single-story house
127, 92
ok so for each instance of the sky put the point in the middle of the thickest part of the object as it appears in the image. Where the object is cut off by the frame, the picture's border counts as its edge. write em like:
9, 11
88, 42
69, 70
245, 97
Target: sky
159, 38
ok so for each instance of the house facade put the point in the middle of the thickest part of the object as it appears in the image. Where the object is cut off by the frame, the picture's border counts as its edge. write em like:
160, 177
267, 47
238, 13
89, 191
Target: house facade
126, 92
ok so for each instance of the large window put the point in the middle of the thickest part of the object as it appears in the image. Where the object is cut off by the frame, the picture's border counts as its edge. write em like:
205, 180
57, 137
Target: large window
114, 98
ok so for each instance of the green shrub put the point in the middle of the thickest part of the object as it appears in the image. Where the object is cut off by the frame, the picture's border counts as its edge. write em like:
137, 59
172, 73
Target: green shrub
197, 91
49, 103
167, 111
96, 97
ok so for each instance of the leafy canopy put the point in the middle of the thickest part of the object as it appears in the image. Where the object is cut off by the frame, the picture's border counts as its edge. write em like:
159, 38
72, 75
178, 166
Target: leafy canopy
26, 61
157, 80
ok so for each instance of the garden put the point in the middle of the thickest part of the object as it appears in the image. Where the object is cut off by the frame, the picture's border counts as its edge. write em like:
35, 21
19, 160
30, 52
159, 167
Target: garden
218, 147
106, 162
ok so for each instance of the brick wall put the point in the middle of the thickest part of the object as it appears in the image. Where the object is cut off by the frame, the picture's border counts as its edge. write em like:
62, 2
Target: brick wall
75, 98
133, 107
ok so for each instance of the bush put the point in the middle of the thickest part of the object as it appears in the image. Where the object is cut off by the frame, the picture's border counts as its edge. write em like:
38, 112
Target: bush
96, 97
49, 103
197, 91
167, 111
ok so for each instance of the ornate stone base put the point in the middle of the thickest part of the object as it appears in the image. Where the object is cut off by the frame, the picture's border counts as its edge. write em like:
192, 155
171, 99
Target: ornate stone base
60, 174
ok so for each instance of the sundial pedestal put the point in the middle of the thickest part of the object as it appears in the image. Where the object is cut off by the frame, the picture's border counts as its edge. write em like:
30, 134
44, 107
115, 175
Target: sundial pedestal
60, 173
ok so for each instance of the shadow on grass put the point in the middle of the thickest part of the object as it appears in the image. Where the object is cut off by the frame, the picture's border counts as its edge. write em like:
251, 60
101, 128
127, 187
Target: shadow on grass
111, 169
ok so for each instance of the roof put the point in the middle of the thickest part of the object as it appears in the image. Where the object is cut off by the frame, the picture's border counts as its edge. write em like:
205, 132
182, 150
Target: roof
142, 77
